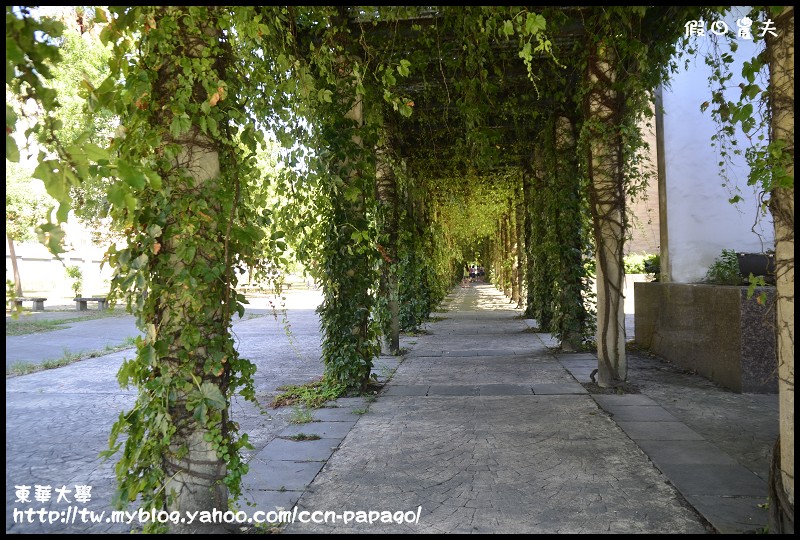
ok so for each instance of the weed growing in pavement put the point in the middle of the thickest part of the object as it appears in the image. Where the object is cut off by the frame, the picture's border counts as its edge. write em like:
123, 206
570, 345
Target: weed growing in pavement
312, 395
300, 416
304, 437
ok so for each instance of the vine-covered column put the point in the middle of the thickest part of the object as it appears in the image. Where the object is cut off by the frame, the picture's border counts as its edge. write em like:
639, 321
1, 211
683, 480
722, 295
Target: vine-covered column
386, 193
522, 238
506, 253
780, 50
527, 198
571, 318
513, 246
607, 206
180, 174
350, 334
540, 260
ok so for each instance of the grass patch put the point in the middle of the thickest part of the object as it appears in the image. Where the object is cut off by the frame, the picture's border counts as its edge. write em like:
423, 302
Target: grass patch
24, 368
360, 411
304, 437
301, 416
312, 395
26, 324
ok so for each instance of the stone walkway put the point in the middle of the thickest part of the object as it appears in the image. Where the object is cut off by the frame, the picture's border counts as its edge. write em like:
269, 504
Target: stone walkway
483, 427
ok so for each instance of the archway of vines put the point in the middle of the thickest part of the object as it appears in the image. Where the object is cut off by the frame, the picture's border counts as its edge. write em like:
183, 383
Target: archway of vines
415, 140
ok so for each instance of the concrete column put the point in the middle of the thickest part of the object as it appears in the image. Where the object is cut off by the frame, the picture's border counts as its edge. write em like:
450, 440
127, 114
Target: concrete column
607, 200
780, 50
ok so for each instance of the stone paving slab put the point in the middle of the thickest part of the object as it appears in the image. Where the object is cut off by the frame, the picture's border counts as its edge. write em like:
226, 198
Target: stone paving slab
562, 388
640, 413
659, 431
611, 400
280, 475
449, 454
349, 403
453, 390
268, 500
685, 453
289, 450
732, 515
393, 390
475, 370
712, 479
326, 430
334, 414
504, 390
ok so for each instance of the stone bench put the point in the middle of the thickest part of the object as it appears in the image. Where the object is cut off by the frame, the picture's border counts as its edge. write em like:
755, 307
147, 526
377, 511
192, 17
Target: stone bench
81, 303
38, 303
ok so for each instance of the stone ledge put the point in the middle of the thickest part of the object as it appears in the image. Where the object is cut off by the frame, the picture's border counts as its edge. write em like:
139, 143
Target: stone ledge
714, 330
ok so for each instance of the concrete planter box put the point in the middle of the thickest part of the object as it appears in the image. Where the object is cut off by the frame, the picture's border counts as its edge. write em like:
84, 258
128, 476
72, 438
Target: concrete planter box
712, 329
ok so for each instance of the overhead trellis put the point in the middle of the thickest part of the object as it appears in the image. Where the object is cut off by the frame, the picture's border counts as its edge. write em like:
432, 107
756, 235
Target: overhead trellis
429, 137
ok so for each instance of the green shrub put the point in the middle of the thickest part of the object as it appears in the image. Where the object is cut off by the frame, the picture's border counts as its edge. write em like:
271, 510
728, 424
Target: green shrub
724, 270
634, 263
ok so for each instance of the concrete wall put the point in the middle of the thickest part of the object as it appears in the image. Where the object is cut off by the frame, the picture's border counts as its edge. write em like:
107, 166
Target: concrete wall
643, 210
711, 329
700, 220
41, 273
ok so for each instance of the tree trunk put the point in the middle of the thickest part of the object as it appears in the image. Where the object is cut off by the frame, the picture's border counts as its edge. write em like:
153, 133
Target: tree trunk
14, 266
607, 200
780, 50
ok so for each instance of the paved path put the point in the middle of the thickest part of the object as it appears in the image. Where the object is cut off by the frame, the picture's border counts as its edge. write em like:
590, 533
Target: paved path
483, 427
106, 332
58, 420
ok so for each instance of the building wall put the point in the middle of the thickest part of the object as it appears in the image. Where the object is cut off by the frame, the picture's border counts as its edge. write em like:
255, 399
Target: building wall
643, 209
700, 220
43, 274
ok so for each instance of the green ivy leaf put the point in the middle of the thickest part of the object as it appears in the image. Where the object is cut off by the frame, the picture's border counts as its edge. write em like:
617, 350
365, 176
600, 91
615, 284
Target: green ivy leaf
212, 395
403, 68
181, 123
131, 175
534, 23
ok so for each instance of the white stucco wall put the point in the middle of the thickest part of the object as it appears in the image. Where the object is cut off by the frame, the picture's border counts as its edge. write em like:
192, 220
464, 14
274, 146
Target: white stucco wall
700, 220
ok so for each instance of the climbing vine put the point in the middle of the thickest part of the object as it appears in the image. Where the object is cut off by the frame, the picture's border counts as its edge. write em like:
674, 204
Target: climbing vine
408, 137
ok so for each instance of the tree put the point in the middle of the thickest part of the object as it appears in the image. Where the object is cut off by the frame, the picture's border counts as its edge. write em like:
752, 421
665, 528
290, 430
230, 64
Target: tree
26, 207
